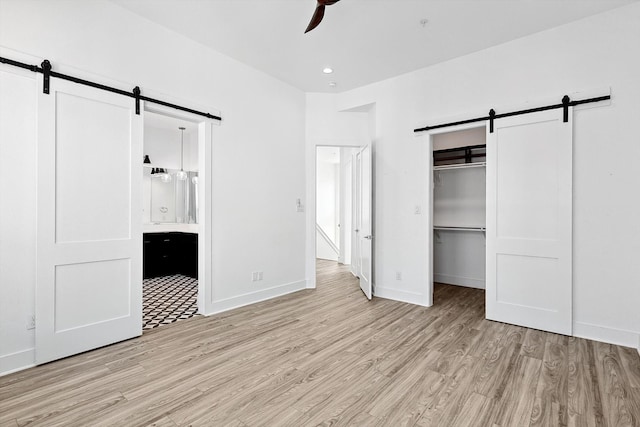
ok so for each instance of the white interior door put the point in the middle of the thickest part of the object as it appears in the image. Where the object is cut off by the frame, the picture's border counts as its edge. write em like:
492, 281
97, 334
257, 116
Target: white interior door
529, 221
89, 272
357, 217
365, 229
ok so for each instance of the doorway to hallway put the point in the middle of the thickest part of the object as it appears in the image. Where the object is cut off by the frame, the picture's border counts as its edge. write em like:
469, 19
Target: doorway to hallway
343, 217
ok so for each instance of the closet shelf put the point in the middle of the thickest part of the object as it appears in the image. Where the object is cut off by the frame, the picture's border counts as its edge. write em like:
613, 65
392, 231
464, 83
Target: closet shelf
439, 227
460, 166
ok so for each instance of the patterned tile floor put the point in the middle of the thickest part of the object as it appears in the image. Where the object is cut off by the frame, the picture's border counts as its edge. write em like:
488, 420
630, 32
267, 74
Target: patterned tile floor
168, 299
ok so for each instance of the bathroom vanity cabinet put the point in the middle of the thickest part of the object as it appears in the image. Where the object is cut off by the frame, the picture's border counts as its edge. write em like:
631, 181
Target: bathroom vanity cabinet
170, 253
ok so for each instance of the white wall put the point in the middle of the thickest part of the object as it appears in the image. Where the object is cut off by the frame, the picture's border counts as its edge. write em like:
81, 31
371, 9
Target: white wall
595, 52
346, 201
459, 258
328, 193
17, 217
258, 158
327, 206
324, 250
163, 148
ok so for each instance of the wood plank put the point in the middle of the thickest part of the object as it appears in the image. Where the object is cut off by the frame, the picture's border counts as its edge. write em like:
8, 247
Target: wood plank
533, 344
550, 405
330, 357
514, 406
619, 406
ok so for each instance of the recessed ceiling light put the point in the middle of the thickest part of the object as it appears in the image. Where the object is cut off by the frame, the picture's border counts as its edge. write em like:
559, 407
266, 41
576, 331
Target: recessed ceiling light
327, 70
333, 84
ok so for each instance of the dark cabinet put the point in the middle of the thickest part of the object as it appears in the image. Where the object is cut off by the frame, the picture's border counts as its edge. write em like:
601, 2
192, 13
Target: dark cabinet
165, 254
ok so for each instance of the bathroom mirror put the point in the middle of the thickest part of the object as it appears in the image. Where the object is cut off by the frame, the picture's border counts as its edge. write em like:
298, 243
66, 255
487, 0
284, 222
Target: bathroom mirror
171, 200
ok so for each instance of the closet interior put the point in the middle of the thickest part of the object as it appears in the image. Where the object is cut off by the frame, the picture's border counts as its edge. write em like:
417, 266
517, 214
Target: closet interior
459, 207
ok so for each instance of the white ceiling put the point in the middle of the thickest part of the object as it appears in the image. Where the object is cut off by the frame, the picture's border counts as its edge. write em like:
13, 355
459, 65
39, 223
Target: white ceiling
364, 41
167, 123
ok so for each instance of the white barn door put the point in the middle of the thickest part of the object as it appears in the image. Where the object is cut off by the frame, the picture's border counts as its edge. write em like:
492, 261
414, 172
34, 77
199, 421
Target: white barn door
529, 221
89, 269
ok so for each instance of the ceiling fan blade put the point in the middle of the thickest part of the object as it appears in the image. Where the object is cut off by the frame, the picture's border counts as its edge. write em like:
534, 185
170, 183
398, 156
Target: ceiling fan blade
328, 2
316, 18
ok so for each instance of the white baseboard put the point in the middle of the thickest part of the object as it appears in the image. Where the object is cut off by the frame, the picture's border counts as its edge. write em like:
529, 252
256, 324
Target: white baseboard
14, 362
311, 283
605, 334
254, 297
399, 295
469, 282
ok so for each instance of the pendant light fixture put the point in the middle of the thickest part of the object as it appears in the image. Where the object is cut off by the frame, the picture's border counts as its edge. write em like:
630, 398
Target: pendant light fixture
182, 175
165, 176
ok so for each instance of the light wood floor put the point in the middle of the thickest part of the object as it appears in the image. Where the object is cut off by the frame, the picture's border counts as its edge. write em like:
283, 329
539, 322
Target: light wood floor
329, 357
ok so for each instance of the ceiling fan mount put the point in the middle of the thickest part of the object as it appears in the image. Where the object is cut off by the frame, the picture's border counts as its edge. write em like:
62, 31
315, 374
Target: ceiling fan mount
318, 14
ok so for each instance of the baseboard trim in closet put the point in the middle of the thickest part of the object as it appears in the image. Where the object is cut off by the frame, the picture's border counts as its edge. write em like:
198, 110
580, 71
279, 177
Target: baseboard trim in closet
608, 335
469, 282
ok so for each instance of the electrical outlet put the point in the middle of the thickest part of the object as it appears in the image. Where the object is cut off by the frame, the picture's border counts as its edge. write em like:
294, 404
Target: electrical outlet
398, 275
31, 322
259, 275
256, 276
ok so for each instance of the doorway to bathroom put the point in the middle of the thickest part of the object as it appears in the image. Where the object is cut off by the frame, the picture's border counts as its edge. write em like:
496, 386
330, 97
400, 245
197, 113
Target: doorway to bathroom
171, 202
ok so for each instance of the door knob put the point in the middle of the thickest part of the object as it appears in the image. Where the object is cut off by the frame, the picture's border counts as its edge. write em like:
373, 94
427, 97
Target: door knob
369, 237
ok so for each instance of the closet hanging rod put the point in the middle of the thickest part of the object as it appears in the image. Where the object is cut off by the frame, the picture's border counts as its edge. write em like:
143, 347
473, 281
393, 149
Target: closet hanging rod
566, 103
451, 150
460, 166
444, 159
46, 69
441, 228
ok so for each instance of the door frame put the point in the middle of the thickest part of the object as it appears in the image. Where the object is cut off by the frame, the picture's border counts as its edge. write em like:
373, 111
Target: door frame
429, 195
311, 209
205, 211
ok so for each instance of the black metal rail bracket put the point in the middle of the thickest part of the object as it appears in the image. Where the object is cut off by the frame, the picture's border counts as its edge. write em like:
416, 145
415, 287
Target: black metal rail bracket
565, 108
492, 116
46, 72
136, 95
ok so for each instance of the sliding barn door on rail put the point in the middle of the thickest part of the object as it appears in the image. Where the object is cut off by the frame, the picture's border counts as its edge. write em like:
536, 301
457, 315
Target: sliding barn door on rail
89, 273
529, 221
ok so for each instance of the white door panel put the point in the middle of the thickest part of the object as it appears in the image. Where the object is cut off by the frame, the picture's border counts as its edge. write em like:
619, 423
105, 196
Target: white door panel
357, 219
89, 285
529, 221
93, 157
365, 234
